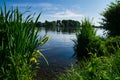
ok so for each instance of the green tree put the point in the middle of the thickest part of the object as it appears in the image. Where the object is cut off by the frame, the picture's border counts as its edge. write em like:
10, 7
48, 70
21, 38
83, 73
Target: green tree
111, 19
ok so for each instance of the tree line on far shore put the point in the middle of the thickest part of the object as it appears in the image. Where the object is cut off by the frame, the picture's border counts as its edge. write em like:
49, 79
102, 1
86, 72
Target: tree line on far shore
59, 23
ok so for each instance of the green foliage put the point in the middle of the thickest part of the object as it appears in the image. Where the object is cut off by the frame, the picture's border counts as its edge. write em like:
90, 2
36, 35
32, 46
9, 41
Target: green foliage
116, 63
87, 42
73, 74
112, 44
98, 68
85, 35
18, 45
48, 24
70, 23
111, 18
69, 26
105, 67
63, 23
97, 45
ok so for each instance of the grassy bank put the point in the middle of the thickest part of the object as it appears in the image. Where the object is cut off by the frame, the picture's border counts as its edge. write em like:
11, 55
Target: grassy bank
97, 68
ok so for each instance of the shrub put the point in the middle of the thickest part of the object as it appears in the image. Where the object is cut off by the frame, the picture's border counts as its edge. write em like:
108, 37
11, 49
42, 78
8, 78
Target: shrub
87, 41
98, 68
84, 36
97, 45
18, 45
112, 44
116, 64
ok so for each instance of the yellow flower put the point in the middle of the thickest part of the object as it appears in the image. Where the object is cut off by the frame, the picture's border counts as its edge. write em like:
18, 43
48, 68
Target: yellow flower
38, 51
0, 30
48, 37
33, 59
35, 30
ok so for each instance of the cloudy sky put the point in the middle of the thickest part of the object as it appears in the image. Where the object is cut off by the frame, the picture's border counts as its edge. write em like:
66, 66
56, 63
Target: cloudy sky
62, 9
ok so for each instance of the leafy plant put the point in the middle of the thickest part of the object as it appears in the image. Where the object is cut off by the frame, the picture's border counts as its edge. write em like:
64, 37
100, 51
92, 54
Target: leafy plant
18, 45
84, 36
98, 68
112, 44
97, 45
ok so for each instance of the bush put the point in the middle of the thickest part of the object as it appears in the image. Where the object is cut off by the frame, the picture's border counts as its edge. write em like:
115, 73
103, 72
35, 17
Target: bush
18, 45
84, 36
116, 63
112, 44
87, 41
97, 45
98, 68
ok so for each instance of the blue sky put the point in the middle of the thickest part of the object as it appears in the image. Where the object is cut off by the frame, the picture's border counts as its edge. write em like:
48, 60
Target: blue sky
62, 9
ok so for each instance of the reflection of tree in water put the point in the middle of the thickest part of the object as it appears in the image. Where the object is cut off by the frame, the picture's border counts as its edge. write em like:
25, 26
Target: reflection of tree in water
61, 29
64, 26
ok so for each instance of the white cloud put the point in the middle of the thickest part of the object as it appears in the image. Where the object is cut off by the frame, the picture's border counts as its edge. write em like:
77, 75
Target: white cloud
51, 11
42, 6
33, 4
65, 14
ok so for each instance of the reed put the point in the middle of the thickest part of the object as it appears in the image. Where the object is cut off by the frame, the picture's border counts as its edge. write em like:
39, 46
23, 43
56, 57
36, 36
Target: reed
85, 35
18, 45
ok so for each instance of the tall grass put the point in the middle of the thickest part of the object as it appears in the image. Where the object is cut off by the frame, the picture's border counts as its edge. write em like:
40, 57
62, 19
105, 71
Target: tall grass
98, 68
112, 44
18, 45
87, 41
84, 36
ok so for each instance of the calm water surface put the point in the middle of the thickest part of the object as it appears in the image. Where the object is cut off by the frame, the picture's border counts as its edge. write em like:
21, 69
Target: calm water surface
58, 51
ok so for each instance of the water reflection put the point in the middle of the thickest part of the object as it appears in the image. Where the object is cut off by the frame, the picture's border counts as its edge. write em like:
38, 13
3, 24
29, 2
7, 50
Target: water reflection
58, 51
63, 30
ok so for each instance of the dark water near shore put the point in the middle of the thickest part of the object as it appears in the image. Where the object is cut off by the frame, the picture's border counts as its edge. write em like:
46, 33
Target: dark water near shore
58, 52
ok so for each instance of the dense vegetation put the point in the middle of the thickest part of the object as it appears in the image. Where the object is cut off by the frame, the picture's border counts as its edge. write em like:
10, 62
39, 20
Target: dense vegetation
96, 68
111, 19
84, 36
59, 23
18, 45
98, 58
